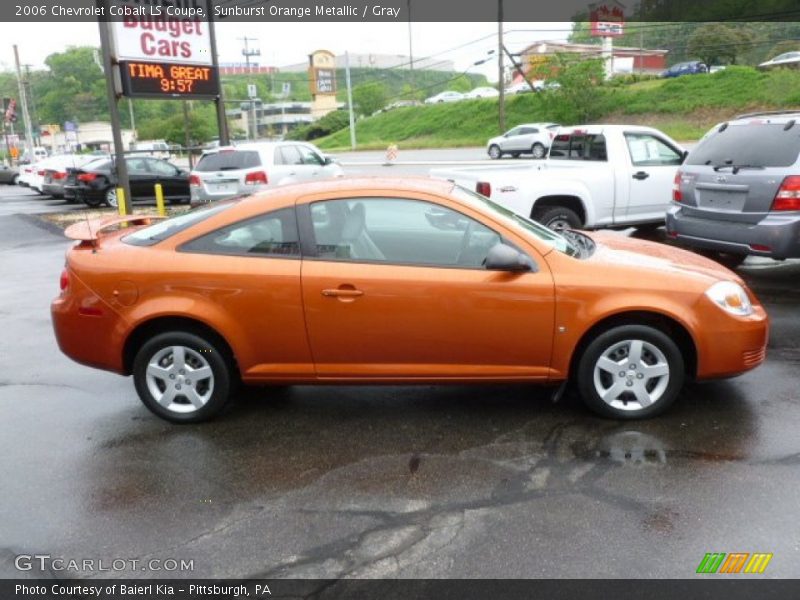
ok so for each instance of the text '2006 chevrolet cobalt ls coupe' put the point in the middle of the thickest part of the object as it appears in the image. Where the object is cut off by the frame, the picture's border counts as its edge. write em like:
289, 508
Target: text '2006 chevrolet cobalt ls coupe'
394, 281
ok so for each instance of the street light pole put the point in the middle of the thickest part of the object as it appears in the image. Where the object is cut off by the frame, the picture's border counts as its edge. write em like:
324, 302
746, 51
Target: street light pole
24, 102
501, 101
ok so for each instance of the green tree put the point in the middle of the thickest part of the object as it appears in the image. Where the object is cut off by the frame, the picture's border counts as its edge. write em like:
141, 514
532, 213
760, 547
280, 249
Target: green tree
578, 97
716, 43
369, 98
201, 128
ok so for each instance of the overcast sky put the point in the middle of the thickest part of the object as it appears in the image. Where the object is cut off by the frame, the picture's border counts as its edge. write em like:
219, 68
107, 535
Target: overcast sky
288, 43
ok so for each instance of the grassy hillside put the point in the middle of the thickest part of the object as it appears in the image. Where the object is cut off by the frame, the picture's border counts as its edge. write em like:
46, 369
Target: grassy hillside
685, 108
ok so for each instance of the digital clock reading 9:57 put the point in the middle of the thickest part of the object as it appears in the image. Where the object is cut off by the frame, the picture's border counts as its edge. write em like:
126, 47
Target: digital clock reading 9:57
152, 79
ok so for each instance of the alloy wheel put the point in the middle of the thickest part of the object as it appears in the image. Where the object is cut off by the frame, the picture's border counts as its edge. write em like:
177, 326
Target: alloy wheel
631, 375
180, 379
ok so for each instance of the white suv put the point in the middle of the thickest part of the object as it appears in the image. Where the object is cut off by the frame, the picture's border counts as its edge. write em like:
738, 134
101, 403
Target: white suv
528, 138
247, 168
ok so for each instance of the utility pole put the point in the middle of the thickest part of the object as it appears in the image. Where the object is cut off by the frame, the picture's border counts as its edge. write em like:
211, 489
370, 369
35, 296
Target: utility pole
350, 100
219, 101
34, 114
24, 102
133, 122
248, 52
410, 51
501, 101
120, 165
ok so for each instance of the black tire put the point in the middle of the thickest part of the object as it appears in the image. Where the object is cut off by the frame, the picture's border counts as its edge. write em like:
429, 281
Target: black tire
200, 353
649, 227
538, 150
557, 218
515, 154
625, 406
726, 259
495, 152
15, 180
92, 201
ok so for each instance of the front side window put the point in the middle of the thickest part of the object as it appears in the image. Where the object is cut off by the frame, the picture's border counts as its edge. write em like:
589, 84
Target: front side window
399, 231
272, 234
164, 169
309, 157
649, 151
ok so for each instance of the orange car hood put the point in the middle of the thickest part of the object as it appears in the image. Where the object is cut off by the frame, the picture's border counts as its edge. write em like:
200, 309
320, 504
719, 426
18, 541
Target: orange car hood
619, 250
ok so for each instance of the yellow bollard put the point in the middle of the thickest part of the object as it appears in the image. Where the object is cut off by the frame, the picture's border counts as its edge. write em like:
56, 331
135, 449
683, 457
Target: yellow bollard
121, 204
160, 200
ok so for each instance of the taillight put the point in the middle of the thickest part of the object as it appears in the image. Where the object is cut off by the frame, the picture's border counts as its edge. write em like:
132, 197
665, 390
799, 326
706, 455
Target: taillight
788, 196
255, 178
63, 281
195, 180
87, 177
40, 173
484, 188
677, 195
59, 175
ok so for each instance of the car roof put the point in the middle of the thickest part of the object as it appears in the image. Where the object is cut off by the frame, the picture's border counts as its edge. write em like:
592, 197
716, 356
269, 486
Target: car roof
255, 146
357, 184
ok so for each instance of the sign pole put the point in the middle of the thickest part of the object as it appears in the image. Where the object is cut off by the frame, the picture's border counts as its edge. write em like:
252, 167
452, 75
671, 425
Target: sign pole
123, 182
222, 120
350, 101
24, 102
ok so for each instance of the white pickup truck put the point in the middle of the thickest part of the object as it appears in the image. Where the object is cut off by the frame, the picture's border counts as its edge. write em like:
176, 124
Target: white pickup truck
595, 176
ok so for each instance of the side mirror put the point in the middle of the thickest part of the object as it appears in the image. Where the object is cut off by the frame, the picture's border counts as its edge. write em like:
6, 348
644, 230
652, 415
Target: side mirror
505, 258
684, 154
328, 160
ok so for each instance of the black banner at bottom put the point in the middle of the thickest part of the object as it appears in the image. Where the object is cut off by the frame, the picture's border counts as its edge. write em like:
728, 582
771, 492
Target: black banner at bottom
399, 589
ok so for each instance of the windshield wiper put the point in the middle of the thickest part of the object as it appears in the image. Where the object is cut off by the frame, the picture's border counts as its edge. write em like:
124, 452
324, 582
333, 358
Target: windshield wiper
736, 168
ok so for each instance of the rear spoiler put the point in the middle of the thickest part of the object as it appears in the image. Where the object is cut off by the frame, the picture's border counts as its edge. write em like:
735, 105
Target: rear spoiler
89, 230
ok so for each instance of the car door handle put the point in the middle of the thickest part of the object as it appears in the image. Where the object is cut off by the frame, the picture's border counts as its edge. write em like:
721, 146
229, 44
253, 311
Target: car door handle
342, 293
641, 175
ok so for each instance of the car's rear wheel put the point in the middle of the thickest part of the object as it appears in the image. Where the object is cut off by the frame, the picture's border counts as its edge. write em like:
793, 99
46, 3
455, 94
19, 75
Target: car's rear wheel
538, 150
726, 259
515, 154
495, 152
182, 377
630, 372
557, 218
110, 196
15, 180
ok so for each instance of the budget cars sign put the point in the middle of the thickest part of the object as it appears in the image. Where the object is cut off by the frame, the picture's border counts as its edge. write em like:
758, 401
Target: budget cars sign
163, 31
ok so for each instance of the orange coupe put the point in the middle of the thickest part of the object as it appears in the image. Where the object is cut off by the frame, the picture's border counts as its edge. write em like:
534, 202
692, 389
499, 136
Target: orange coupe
398, 281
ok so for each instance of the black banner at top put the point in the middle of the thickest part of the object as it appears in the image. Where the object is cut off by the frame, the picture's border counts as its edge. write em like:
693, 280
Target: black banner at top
405, 10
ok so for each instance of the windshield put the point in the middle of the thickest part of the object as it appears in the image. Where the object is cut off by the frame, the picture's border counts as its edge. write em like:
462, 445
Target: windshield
540, 232
157, 232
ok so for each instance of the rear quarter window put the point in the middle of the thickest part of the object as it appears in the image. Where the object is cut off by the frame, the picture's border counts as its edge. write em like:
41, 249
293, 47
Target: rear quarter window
579, 146
229, 161
754, 144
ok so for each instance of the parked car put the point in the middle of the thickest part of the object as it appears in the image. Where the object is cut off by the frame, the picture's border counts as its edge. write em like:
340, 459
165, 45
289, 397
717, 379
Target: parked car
482, 92
787, 59
692, 67
595, 176
96, 181
26, 173
155, 148
54, 172
529, 138
39, 153
394, 281
445, 97
248, 168
738, 192
8, 175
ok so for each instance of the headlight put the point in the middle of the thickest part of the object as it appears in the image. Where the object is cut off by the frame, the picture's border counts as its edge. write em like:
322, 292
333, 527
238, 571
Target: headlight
731, 297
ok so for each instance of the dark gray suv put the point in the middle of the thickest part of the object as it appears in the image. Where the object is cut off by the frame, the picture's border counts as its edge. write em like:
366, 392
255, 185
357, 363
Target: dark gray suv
738, 192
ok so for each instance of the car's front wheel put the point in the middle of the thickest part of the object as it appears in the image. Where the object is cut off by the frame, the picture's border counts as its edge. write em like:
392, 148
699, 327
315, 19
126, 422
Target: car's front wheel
630, 372
538, 150
182, 377
495, 152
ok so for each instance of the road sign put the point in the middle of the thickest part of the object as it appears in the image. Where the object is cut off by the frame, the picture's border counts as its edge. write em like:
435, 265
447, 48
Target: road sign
11, 111
287, 89
252, 91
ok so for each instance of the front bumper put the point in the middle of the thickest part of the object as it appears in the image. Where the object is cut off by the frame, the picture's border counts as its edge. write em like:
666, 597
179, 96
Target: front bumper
780, 233
731, 345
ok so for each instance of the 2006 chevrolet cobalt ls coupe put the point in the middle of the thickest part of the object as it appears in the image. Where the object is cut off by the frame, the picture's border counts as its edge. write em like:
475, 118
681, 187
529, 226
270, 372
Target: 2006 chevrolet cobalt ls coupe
395, 281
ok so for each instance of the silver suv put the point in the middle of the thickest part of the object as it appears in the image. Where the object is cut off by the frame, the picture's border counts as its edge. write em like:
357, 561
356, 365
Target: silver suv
738, 192
247, 168
528, 138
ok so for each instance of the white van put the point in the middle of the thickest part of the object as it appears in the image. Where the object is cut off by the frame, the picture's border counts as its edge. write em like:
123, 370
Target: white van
154, 148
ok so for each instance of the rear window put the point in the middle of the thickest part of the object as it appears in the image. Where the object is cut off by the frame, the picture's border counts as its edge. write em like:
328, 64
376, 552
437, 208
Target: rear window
229, 161
163, 229
579, 146
751, 144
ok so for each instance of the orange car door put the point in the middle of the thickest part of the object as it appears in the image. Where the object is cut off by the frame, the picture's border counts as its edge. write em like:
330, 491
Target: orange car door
397, 290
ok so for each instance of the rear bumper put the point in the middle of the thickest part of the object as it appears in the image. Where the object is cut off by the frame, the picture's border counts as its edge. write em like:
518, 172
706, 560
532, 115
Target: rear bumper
52, 189
778, 232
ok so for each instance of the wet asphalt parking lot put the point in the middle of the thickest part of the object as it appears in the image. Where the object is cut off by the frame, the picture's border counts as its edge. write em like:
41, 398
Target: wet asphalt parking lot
450, 481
